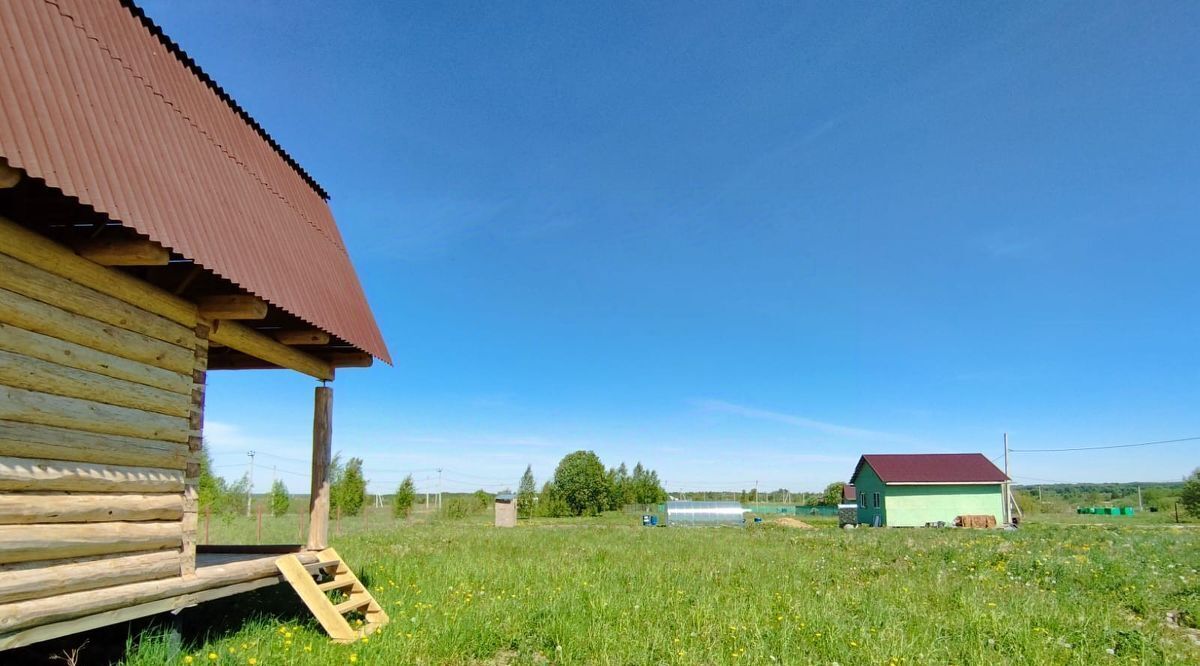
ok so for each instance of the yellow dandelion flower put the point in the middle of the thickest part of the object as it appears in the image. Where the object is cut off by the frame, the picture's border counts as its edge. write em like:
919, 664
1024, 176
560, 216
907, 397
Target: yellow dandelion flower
353, 658
212, 656
187, 659
252, 661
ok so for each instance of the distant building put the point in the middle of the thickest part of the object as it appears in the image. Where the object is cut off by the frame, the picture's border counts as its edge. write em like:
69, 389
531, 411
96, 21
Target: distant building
506, 510
910, 490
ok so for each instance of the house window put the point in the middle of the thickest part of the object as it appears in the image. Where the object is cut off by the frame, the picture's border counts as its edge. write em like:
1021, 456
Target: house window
875, 499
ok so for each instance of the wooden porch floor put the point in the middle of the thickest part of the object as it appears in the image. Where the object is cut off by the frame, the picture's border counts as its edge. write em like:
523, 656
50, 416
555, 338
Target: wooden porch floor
217, 575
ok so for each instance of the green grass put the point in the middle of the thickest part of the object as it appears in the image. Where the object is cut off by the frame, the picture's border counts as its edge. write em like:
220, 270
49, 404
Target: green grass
605, 590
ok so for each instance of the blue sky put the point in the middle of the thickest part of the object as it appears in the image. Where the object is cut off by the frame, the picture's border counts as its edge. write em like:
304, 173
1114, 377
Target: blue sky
736, 241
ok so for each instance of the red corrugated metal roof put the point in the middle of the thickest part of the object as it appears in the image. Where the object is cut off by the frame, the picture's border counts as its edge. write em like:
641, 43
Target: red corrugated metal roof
97, 105
931, 468
849, 494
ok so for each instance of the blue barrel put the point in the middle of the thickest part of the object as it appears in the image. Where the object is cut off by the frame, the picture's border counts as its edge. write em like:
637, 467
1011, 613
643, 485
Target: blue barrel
653, 521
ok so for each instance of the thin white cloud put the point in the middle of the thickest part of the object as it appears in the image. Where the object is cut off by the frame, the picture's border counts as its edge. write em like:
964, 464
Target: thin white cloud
724, 407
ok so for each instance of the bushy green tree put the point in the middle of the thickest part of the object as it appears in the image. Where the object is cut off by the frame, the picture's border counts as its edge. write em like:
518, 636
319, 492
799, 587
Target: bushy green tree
833, 494
218, 496
1189, 497
483, 499
621, 487
348, 488
581, 481
551, 503
402, 501
280, 500
644, 486
526, 494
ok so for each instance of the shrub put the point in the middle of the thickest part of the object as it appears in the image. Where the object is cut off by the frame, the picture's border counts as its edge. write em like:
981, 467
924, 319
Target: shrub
458, 508
1190, 496
526, 494
402, 501
280, 500
347, 487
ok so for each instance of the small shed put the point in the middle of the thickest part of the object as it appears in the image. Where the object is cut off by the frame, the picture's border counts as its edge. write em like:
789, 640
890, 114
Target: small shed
506, 510
912, 490
705, 514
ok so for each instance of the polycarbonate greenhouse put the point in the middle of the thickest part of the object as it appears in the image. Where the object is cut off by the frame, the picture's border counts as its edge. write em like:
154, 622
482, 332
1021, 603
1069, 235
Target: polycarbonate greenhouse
705, 514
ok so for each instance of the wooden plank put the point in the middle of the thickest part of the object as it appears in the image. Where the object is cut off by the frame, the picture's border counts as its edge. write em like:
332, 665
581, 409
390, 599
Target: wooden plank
37, 250
33, 282
27, 440
25, 543
308, 337
55, 410
349, 359
318, 604
34, 374
9, 176
47, 348
200, 587
318, 504
45, 507
236, 336
29, 474
34, 315
58, 629
33, 580
124, 252
232, 306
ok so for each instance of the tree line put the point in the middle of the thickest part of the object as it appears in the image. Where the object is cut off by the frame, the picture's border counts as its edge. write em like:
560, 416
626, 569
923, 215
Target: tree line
347, 490
581, 486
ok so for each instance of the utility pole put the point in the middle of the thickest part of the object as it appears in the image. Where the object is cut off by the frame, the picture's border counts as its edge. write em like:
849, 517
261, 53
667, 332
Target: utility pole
1007, 486
439, 489
1139, 498
250, 490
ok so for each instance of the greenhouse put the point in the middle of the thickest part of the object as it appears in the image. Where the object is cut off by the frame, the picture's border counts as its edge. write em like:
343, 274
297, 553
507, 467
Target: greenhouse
705, 514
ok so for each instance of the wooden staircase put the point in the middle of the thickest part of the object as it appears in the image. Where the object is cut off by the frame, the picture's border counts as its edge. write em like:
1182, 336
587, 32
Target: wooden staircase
314, 582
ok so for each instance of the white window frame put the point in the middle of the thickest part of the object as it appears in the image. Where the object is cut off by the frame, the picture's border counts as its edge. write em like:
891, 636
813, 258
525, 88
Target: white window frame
875, 500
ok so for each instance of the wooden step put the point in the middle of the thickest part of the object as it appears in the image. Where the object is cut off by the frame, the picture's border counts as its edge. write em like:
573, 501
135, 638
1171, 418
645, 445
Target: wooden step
337, 584
353, 605
331, 616
317, 567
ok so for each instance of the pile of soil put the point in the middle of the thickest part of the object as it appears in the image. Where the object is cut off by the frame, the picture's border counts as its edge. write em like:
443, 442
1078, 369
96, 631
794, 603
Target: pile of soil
792, 522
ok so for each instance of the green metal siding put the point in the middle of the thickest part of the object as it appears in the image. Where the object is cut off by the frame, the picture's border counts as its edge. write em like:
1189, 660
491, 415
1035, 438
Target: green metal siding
913, 506
867, 484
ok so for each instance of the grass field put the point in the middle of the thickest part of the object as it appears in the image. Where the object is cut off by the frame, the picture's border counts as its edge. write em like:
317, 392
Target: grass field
608, 591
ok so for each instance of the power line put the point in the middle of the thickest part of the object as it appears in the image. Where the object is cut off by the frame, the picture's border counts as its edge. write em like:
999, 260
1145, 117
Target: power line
1107, 446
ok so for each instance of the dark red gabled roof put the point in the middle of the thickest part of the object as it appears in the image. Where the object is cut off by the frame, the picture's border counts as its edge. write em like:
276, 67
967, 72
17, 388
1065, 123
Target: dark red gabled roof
931, 468
848, 493
95, 102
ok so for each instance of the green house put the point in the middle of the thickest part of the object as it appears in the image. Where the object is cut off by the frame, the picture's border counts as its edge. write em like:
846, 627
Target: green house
912, 490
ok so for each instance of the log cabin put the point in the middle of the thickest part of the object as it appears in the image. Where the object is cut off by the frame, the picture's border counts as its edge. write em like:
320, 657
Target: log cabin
151, 232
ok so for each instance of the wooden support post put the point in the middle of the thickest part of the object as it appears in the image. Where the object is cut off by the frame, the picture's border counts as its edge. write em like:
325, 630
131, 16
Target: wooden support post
258, 526
191, 489
337, 525
318, 522
299, 526
207, 522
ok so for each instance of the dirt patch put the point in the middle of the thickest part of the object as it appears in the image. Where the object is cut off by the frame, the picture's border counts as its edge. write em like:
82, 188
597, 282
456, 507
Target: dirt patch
792, 522
1184, 623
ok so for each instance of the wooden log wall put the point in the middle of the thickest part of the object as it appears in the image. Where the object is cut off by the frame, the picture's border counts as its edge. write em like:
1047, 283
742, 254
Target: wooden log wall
101, 405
